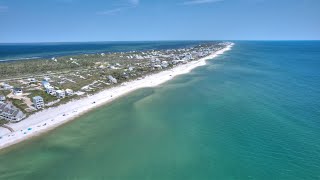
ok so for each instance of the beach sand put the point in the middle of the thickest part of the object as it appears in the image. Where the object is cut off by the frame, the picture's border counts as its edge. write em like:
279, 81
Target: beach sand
51, 118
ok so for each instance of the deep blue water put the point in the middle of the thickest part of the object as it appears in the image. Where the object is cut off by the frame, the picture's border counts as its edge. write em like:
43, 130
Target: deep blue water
48, 50
252, 113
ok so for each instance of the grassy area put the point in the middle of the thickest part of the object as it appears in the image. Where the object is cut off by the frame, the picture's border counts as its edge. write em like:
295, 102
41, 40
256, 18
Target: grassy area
4, 92
19, 104
2, 122
46, 97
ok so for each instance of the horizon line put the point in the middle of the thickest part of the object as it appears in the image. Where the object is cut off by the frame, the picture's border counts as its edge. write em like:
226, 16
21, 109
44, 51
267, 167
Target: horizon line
52, 42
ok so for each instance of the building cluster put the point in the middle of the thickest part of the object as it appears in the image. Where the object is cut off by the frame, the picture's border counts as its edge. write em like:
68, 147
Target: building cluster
160, 59
140, 63
58, 93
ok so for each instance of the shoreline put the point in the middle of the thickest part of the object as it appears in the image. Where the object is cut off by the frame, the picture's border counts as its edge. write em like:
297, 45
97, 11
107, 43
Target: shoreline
52, 118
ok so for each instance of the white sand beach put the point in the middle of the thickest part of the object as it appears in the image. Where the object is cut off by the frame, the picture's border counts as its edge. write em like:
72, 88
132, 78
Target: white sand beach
53, 117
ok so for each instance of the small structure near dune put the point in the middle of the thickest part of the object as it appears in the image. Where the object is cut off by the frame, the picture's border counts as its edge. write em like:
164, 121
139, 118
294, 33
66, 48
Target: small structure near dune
2, 98
45, 84
50, 90
164, 64
69, 92
60, 94
17, 91
112, 79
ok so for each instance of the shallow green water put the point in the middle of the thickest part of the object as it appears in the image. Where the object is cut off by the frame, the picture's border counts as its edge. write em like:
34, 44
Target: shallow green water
253, 113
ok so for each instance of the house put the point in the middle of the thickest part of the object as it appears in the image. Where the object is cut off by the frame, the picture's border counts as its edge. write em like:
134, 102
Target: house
17, 91
32, 80
188, 57
69, 92
164, 64
6, 86
157, 66
2, 98
178, 61
112, 79
38, 102
45, 84
10, 113
50, 90
131, 68
46, 79
60, 94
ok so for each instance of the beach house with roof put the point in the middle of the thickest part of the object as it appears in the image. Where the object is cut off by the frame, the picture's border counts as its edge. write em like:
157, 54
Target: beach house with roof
69, 92
6, 86
17, 91
60, 94
45, 84
112, 79
46, 79
50, 90
2, 98
10, 113
38, 102
164, 64
32, 80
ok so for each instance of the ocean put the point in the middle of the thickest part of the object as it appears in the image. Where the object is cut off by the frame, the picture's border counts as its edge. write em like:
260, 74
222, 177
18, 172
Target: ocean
251, 113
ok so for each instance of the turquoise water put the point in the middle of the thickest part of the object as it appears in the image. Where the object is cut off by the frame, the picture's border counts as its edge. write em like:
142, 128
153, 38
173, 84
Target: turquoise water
253, 113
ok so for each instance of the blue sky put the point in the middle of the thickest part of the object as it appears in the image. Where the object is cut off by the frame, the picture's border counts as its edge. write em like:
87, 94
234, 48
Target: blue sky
129, 20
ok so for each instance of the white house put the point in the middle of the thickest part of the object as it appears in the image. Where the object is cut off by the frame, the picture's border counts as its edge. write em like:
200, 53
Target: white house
45, 84
38, 102
50, 90
164, 64
32, 80
6, 86
46, 79
157, 66
17, 91
131, 68
112, 79
60, 94
69, 92
2, 98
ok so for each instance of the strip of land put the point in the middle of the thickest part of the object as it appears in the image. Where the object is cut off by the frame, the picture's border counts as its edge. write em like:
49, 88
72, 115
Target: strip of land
48, 119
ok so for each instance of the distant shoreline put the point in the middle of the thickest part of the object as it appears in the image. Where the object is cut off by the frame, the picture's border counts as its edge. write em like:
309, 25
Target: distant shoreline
51, 118
78, 51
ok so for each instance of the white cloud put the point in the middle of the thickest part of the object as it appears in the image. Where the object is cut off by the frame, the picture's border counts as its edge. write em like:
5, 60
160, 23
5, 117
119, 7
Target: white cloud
111, 11
195, 2
130, 4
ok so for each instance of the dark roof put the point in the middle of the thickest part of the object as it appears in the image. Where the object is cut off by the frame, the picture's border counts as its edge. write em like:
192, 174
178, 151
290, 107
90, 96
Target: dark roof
17, 89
